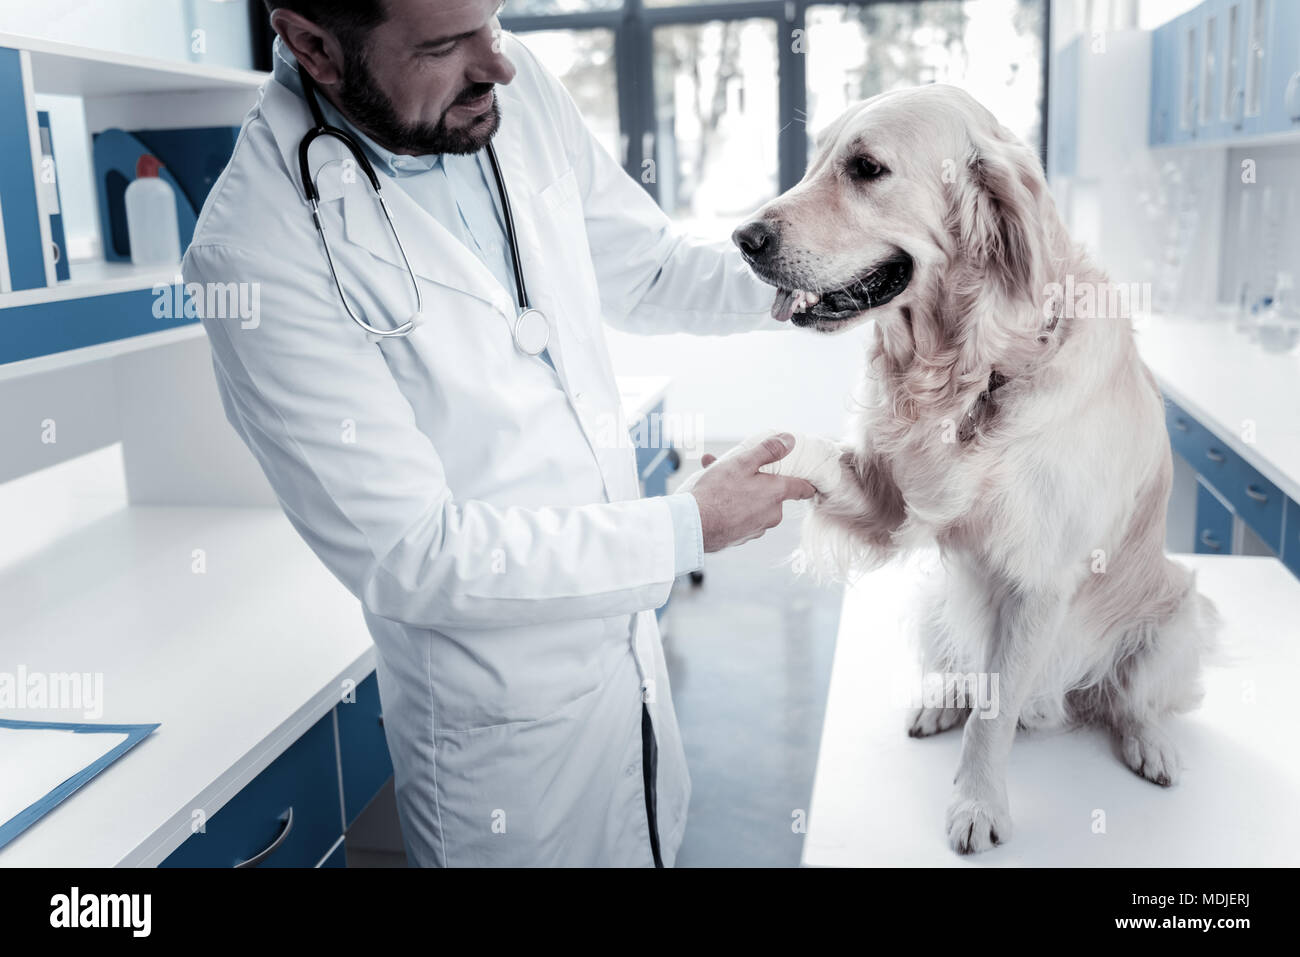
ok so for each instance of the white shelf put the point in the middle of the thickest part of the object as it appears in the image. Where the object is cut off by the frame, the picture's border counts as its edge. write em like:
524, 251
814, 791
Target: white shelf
97, 278
102, 350
71, 70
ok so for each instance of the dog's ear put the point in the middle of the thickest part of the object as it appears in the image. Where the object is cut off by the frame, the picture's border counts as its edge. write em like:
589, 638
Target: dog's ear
996, 212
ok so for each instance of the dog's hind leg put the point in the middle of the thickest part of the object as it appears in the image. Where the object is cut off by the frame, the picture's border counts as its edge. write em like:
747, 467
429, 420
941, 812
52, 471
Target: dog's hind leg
1156, 674
1160, 679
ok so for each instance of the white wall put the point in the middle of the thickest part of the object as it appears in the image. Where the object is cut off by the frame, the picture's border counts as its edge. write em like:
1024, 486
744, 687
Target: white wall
735, 386
1261, 228
155, 28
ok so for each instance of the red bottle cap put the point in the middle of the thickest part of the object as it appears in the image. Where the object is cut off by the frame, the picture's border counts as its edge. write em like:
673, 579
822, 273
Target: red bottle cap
147, 165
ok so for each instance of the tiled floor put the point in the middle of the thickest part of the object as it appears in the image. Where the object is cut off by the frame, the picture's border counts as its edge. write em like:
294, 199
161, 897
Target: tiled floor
749, 655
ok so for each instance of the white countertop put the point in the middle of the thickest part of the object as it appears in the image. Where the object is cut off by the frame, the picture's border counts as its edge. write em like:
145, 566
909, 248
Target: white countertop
879, 797
1224, 380
236, 662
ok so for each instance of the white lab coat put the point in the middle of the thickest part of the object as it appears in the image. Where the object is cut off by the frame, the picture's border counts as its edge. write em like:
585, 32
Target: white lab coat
479, 505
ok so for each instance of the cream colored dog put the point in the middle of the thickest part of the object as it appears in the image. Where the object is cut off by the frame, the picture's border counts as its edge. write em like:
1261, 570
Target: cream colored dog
1025, 438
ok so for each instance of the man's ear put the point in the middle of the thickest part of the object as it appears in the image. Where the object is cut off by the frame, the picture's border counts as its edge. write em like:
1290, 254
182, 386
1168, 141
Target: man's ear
315, 48
996, 213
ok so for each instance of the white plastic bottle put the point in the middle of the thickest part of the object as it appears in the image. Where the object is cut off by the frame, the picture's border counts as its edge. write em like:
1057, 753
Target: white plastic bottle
151, 216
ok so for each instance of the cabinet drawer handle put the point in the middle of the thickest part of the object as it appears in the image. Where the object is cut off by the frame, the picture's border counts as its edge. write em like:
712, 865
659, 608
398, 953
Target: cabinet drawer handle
1214, 456
381, 719
274, 845
1255, 494
1209, 541
1180, 425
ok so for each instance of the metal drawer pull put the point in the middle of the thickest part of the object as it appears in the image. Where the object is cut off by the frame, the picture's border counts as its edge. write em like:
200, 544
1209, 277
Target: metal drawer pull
1256, 494
381, 719
1180, 425
1214, 456
1209, 541
274, 845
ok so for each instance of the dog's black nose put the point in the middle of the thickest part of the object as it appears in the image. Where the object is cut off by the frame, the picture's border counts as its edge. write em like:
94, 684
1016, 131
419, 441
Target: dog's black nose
757, 240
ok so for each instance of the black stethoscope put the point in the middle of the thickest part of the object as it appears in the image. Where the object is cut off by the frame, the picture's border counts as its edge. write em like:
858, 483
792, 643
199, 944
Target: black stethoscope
530, 330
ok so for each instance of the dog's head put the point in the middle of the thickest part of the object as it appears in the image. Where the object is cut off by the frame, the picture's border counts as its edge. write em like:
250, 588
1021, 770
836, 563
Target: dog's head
916, 200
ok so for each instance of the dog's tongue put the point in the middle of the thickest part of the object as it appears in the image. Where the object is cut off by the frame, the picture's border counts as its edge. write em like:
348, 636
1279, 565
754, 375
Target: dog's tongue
783, 305
790, 301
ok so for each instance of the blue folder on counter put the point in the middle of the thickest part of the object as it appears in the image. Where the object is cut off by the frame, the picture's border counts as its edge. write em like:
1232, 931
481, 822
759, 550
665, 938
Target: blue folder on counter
135, 733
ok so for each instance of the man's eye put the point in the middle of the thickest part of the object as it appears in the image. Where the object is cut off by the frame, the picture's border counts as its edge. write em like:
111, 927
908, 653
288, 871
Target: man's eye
441, 51
865, 168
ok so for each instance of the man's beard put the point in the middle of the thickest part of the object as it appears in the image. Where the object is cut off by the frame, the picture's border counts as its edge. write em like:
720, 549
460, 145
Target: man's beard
368, 107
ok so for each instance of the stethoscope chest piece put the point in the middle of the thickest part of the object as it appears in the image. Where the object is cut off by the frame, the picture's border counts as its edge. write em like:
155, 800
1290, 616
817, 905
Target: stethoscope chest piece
532, 333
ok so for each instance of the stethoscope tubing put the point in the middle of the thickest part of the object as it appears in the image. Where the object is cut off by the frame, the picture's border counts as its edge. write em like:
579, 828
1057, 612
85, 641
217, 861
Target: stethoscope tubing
322, 128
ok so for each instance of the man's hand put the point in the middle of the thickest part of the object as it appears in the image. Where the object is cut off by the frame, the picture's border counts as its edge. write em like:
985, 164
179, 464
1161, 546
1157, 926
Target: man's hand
737, 502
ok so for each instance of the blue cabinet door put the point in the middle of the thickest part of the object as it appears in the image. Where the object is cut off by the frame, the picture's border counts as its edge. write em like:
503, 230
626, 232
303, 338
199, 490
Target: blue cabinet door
1213, 523
1187, 75
1228, 95
1291, 541
287, 816
1209, 69
363, 748
1281, 106
1164, 85
1259, 15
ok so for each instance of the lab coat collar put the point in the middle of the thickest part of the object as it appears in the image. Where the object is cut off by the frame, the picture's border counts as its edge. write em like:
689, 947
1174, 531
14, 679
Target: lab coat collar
434, 252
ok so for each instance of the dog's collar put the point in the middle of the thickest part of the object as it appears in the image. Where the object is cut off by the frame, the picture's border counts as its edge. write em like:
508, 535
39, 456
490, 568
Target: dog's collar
981, 409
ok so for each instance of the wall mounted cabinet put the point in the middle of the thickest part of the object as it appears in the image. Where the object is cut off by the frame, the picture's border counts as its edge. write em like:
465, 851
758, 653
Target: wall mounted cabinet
1226, 71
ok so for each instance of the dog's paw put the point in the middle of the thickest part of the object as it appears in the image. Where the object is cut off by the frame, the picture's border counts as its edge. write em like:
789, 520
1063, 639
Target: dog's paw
923, 722
1150, 754
975, 825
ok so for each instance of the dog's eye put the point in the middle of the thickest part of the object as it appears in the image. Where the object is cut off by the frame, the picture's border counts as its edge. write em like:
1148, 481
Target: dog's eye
865, 168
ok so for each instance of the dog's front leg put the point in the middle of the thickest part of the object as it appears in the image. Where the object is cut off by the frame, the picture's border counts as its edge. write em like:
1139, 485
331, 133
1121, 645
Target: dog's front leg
1028, 622
854, 523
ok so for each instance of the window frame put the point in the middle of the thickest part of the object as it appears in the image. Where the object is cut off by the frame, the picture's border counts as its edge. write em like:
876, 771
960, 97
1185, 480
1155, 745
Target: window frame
633, 27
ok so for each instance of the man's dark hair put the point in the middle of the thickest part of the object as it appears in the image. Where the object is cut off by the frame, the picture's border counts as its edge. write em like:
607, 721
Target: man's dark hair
363, 100
349, 20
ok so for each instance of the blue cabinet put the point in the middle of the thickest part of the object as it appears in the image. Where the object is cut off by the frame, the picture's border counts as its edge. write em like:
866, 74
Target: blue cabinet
1229, 489
1238, 20
1280, 107
1291, 537
1186, 75
1213, 522
1226, 69
287, 816
655, 458
363, 748
295, 813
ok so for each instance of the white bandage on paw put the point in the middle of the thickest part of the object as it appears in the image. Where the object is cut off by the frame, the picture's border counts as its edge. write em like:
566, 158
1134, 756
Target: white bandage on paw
813, 458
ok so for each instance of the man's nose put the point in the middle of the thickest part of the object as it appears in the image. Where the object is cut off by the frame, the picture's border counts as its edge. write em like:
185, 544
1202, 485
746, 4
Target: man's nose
758, 240
493, 66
